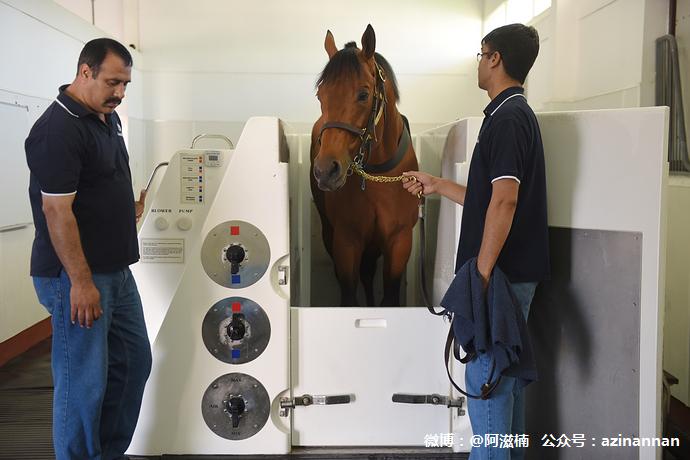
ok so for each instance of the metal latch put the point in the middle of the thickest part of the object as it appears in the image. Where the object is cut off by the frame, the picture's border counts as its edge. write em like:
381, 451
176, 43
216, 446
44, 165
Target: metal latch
433, 399
283, 275
307, 400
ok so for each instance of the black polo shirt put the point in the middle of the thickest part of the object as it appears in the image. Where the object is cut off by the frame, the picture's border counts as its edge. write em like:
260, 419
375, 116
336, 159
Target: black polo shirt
71, 151
509, 147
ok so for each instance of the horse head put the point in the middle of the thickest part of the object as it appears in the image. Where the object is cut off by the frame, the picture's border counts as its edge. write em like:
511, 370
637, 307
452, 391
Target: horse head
352, 93
360, 130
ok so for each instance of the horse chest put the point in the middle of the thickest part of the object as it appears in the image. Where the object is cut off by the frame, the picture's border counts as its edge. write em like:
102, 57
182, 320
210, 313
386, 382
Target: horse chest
379, 209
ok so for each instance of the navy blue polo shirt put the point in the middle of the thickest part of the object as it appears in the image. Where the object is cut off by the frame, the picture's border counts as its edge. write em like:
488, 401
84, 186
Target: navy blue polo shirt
71, 151
509, 147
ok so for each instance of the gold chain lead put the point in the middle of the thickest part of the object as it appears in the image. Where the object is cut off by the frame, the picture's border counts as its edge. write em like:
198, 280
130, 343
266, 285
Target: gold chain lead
383, 179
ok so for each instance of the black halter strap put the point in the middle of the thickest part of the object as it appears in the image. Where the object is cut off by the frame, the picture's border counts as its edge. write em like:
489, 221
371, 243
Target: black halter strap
403, 144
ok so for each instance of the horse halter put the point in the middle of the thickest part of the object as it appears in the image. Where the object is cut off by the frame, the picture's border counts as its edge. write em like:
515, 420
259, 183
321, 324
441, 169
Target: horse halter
367, 134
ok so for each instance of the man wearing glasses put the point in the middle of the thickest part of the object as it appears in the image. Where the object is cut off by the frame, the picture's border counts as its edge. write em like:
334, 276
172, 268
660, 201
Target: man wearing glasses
504, 220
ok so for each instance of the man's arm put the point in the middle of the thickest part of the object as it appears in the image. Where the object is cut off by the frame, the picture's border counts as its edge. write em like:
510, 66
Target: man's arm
499, 219
64, 234
428, 184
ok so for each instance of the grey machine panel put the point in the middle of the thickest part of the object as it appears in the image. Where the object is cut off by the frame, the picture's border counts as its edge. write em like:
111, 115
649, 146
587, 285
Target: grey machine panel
235, 406
585, 329
235, 254
236, 330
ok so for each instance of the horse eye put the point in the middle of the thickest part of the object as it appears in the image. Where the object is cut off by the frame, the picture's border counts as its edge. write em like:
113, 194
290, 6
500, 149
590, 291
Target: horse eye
363, 96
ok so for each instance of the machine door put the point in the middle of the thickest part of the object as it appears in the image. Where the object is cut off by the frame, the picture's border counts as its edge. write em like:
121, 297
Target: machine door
348, 363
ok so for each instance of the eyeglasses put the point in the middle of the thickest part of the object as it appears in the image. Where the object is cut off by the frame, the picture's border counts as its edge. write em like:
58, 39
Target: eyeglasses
479, 55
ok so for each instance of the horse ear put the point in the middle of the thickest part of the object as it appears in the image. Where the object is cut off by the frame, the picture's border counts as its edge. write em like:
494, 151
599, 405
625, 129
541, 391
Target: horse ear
369, 42
329, 44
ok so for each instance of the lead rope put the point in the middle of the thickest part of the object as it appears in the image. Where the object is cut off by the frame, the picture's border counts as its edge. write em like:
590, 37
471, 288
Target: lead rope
422, 261
490, 385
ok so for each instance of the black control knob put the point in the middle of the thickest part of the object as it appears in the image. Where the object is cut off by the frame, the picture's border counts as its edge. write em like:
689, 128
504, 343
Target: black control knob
236, 329
235, 408
235, 255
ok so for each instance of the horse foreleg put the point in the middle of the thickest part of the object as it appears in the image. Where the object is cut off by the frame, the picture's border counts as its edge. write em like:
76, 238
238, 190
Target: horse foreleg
347, 256
395, 257
367, 273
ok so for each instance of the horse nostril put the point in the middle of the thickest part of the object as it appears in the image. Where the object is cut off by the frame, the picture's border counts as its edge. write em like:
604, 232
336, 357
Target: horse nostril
319, 172
327, 170
335, 169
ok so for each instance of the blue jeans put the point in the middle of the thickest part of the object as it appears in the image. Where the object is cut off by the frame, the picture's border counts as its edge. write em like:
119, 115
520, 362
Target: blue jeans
98, 373
504, 411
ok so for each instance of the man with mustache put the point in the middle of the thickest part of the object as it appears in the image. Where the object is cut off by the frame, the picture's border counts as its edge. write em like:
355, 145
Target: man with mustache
85, 217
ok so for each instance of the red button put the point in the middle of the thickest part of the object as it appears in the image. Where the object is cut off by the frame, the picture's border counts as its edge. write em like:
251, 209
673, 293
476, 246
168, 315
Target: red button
235, 230
236, 307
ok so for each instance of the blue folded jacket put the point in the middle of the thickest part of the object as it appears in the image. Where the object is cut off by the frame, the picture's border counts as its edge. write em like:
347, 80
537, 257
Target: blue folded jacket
490, 322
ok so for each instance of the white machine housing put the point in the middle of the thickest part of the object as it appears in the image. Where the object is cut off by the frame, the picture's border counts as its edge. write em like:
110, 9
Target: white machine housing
367, 354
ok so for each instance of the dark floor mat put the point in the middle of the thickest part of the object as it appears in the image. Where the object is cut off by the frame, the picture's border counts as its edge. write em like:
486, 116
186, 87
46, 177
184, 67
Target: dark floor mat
25, 424
30, 370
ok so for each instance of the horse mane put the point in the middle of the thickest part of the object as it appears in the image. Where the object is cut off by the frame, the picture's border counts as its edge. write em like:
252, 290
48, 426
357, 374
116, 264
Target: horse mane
345, 63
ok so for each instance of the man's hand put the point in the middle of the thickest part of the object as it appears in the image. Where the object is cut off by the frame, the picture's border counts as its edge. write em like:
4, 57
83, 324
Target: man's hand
485, 274
86, 303
139, 205
417, 182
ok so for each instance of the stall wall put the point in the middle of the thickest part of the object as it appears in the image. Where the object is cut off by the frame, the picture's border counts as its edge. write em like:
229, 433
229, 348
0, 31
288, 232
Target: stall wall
46, 40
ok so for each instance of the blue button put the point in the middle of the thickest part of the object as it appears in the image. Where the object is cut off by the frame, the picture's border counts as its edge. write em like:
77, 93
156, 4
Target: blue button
236, 354
235, 279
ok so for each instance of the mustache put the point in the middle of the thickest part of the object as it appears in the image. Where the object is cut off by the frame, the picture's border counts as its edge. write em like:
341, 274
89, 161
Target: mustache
113, 100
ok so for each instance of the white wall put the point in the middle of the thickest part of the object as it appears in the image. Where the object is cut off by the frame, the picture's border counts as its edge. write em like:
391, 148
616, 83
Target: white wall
594, 53
45, 43
212, 64
107, 15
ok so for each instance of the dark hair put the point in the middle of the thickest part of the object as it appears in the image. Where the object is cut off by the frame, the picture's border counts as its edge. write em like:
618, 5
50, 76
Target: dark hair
518, 45
94, 52
344, 63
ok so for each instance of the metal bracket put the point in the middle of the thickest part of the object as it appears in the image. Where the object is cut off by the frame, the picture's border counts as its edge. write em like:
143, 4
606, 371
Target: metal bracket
283, 275
308, 400
153, 174
433, 399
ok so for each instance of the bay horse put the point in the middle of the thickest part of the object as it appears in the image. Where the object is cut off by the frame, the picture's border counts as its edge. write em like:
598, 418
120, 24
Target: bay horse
360, 126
